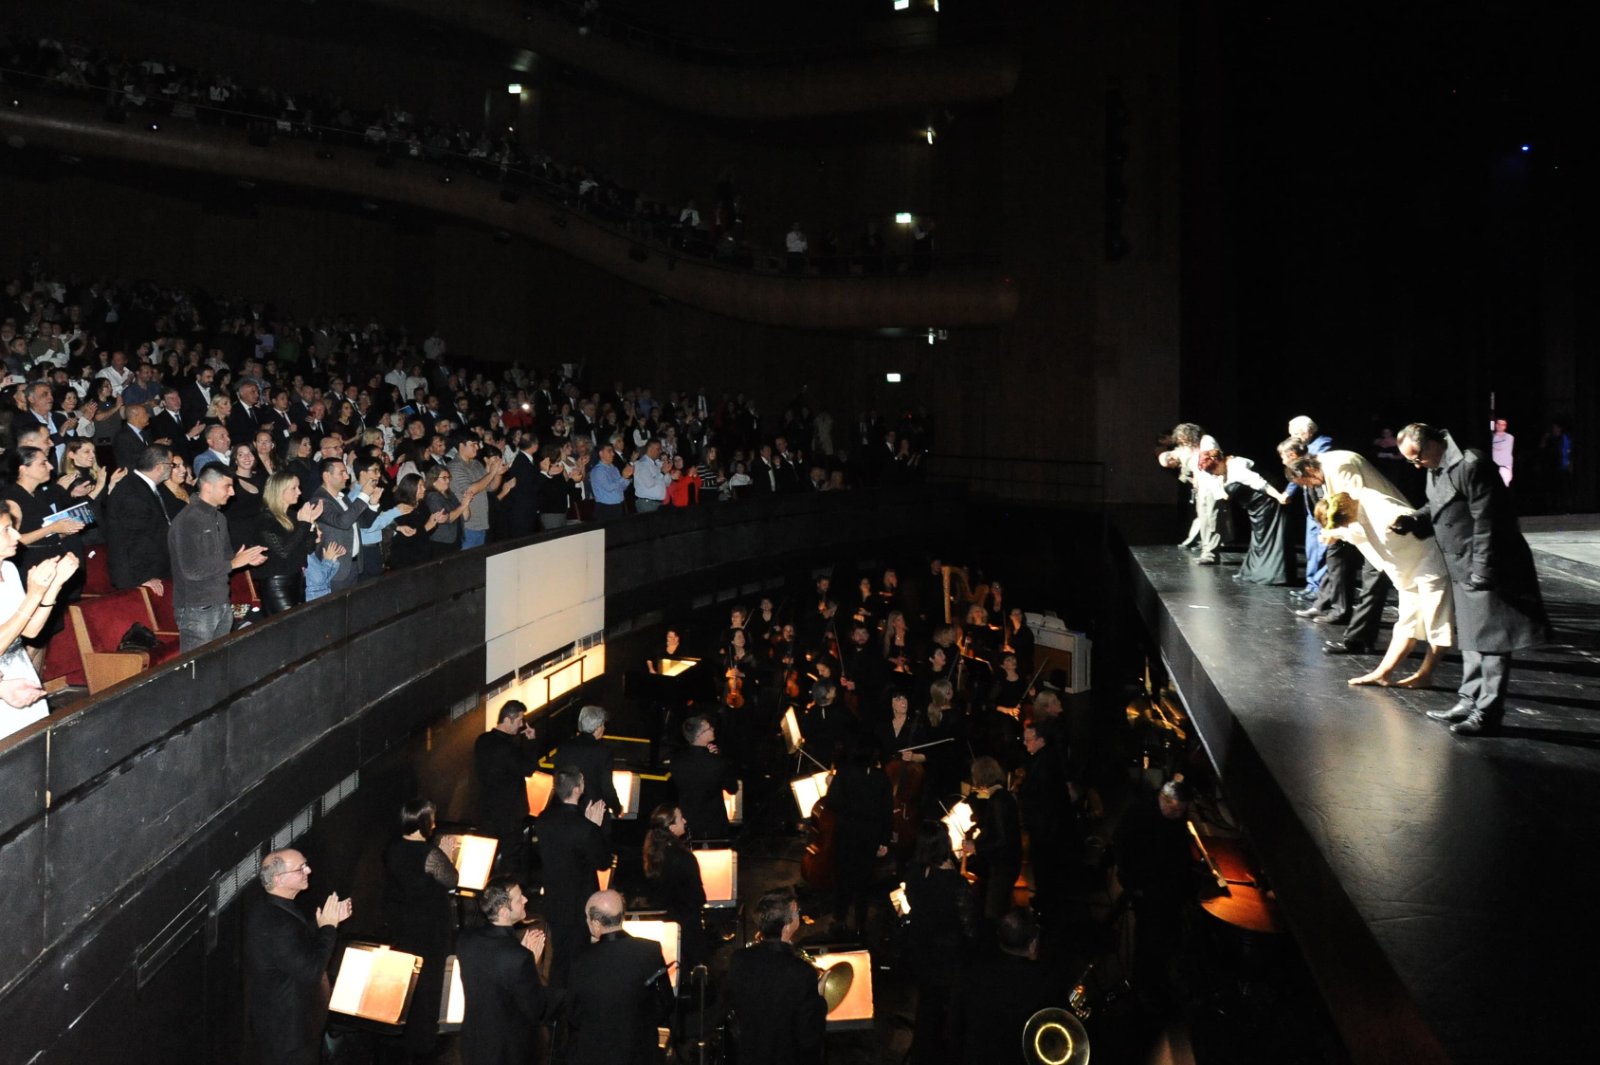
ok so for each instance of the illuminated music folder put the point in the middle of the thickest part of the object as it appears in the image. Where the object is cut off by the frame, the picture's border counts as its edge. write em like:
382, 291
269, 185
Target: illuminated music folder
654, 926
809, 790
735, 805
375, 983
855, 1010
474, 861
719, 875
626, 783
791, 730
540, 785
452, 999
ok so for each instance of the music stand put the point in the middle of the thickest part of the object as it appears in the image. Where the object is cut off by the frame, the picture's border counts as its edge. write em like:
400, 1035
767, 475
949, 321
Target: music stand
626, 784
958, 823
719, 875
653, 925
374, 985
540, 786
854, 1013
809, 790
790, 725
452, 998
474, 861
735, 805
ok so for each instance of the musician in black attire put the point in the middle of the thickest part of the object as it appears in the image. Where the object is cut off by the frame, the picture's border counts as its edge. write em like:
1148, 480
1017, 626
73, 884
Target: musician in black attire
674, 878
417, 879
286, 962
1156, 872
900, 729
824, 723
779, 1016
1045, 804
998, 994
619, 991
996, 851
864, 672
940, 928
499, 964
587, 751
573, 850
502, 760
702, 775
862, 802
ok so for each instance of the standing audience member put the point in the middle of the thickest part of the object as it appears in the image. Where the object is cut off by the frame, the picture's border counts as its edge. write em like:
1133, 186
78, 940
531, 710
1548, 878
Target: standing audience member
499, 963
202, 558
137, 523
24, 610
280, 580
340, 518
286, 962
474, 480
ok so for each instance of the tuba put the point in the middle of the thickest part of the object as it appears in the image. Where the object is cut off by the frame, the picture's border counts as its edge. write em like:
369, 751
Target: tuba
1053, 1036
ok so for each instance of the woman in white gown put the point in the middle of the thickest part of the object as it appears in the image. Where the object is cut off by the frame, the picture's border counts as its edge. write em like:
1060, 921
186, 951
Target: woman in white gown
1415, 566
23, 612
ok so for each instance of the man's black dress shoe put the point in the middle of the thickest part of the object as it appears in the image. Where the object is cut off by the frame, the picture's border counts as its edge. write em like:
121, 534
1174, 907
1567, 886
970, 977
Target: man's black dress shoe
1309, 612
1347, 647
1333, 619
1458, 712
1477, 723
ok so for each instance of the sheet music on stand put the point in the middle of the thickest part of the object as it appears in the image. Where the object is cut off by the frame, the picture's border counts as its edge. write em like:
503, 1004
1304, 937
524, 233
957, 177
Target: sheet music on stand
375, 984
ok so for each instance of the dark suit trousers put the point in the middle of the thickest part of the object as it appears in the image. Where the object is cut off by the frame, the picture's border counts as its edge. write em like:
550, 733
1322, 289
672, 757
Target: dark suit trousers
1484, 679
1338, 575
1367, 616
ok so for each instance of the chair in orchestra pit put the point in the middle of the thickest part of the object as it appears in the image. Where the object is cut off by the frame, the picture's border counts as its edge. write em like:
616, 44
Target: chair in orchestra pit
98, 626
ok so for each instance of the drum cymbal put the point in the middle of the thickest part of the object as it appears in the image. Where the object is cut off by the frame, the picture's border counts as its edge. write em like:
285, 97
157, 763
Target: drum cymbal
1055, 1037
835, 984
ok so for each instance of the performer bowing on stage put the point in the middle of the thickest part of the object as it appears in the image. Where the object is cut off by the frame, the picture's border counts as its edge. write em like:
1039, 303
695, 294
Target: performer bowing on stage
1498, 606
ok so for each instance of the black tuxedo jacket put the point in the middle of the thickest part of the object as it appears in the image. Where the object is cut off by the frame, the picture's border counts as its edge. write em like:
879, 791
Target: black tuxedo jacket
169, 426
195, 402
595, 759
573, 850
286, 963
128, 445
242, 423
505, 1000
701, 778
615, 1004
778, 1013
501, 764
136, 534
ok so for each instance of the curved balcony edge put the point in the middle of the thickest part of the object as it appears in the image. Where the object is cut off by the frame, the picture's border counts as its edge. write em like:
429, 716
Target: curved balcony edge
937, 299
812, 90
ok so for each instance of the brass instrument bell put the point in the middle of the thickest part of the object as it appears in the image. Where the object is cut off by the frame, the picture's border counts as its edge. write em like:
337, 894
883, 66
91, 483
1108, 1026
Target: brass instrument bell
1053, 1036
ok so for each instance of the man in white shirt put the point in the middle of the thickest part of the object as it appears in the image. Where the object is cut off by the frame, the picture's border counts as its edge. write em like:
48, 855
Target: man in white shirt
218, 450
649, 480
1501, 446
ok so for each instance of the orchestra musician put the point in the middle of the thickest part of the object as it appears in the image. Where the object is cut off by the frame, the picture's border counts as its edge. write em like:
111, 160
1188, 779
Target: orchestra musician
997, 994
940, 927
674, 878
897, 643
1044, 802
587, 751
702, 775
824, 722
1157, 873
862, 801
619, 991
573, 850
505, 1001
862, 670
996, 846
778, 1012
899, 729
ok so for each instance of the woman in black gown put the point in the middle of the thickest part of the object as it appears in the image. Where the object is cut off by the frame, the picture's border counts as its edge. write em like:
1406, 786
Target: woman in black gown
417, 880
675, 884
1268, 560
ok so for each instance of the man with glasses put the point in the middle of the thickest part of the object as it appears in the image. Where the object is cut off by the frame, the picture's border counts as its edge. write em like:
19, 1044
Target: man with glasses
286, 962
1498, 606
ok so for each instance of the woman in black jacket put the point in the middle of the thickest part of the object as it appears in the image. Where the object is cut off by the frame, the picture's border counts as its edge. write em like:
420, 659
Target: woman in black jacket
675, 884
280, 580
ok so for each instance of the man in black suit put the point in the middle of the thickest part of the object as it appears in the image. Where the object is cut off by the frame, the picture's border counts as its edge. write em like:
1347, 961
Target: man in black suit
619, 991
1044, 800
286, 962
1499, 609
502, 760
998, 994
137, 524
702, 775
169, 426
573, 850
588, 753
505, 1001
244, 419
779, 1017
41, 403
130, 441
521, 510
196, 395
276, 416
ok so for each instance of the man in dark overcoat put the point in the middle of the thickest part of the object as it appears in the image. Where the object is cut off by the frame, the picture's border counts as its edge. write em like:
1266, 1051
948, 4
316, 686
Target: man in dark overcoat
1498, 607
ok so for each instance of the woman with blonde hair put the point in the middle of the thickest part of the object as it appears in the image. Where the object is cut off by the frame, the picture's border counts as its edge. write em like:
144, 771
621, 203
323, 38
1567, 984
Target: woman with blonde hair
280, 580
1417, 568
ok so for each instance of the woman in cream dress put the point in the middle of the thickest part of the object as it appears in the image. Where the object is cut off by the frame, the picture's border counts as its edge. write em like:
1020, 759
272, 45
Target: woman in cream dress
1415, 566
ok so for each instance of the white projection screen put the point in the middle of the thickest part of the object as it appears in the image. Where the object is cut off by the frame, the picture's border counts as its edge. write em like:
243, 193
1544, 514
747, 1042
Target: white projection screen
541, 597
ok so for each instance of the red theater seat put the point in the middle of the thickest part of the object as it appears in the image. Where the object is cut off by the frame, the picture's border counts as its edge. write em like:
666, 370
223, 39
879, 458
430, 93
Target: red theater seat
98, 626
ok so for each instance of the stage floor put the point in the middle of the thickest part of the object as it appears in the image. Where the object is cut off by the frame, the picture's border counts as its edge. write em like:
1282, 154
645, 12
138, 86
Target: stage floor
1440, 887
